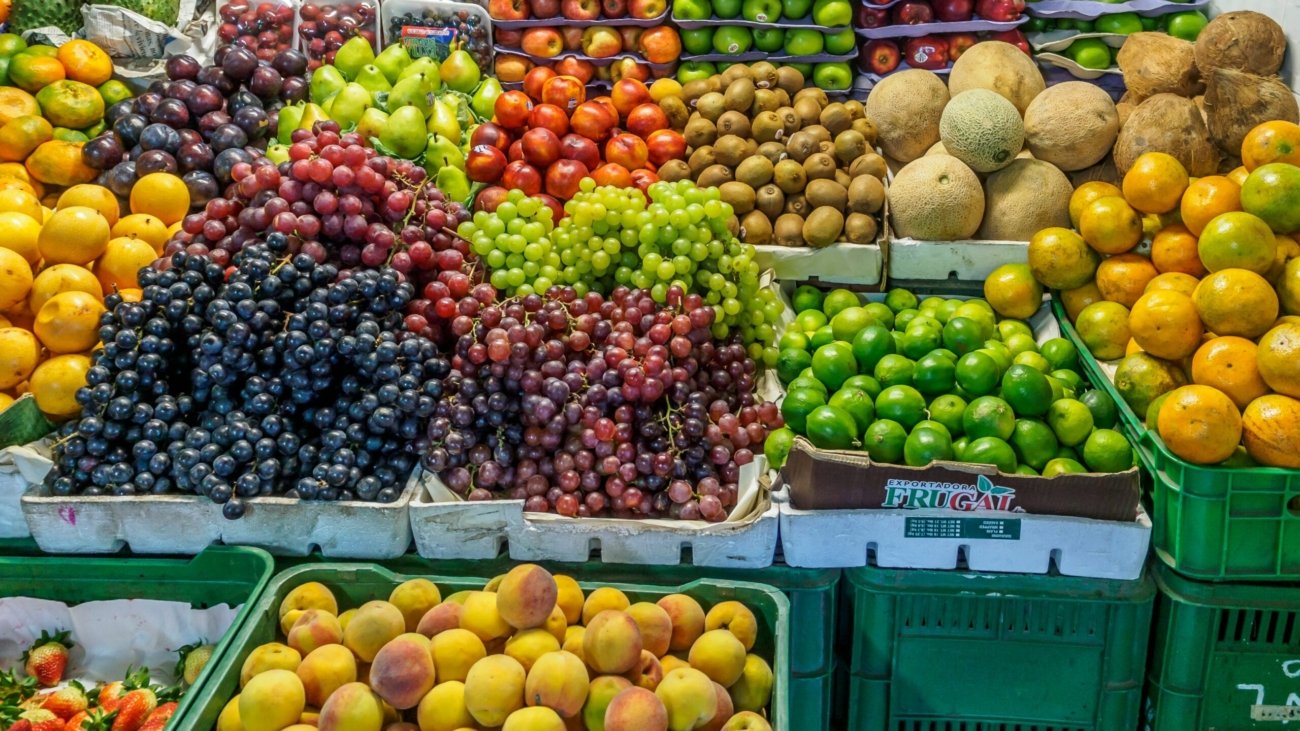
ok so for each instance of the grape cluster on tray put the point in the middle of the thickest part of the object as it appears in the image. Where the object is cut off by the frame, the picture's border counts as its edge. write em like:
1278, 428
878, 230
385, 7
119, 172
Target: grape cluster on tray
468, 26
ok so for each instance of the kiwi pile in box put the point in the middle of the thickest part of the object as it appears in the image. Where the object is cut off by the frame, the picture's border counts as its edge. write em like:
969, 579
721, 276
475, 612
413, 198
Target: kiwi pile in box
799, 169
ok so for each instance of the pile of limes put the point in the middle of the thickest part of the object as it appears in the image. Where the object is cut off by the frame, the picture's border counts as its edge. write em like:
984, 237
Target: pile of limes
911, 381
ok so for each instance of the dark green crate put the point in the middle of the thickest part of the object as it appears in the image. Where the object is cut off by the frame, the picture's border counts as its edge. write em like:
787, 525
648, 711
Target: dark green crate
219, 575
1210, 523
812, 703
1224, 656
939, 650
355, 583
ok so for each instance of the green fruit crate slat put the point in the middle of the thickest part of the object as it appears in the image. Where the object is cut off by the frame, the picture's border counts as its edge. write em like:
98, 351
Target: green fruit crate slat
1221, 652
1210, 523
940, 650
356, 583
812, 703
219, 575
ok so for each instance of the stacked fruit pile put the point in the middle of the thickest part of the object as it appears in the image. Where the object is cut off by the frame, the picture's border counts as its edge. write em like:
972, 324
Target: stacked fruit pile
1204, 324
932, 34
1094, 53
529, 652
265, 28
323, 28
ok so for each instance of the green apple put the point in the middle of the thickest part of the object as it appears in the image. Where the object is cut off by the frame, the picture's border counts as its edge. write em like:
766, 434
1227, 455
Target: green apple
695, 70
832, 13
840, 43
697, 41
726, 8
1037, 25
692, 9
804, 42
1089, 53
732, 40
795, 9
1121, 23
832, 76
762, 11
1186, 25
1150, 24
769, 39
724, 65
1083, 26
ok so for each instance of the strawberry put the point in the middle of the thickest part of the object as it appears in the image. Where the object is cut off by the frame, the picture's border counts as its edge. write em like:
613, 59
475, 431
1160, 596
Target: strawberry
159, 718
48, 658
42, 720
76, 722
110, 694
21, 724
67, 701
134, 708
193, 658
96, 720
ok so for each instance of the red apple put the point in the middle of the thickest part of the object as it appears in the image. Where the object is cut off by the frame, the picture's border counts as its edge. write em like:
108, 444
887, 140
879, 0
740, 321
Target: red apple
608, 104
563, 177
490, 134
630, 36
880, 56
565, 92
580, 9
545, 8
577, 147
611, 173
578, 68
508, 9
958, 43
572, 38
551, 117
535, 79
661, 44
509, 67
646, 9
489, 198
1000, 10
1014, 36
868, 17
628, 94
664, 145
953, 11
511, 109
510, 38
522, 176
592, 120
485, 163
643, 179
516, 151
557, 208
646, 118
542, 42
927, 52
613, 8
913, 12
601, 42
541, 146
627, 150
627, 68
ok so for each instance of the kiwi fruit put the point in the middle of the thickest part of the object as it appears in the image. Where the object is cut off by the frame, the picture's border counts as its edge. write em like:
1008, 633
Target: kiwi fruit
733, 226
849, 146
797, 204
730, 150
869, 164
751, 148
816, 94
788, 230
818, 132
714, 176
789, 79
755, 171
739, 96
789, 176
835, 118
790, 122
674, 170
733, 123
774, 151
824, 192
755, 228
693, 90
801, 145
765, 74
808, 111
866, 194
702, 158
711, 106
783, 96
767, 127
700, 132
766, 100
843, 178
819, 165
823, 227
739, 195
827, 147
770, 200
859, 228
855, 109
676, 111
867, 129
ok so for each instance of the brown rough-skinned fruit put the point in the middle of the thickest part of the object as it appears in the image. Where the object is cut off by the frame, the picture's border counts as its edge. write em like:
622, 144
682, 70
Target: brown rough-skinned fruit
808, 110
905, 108
755, 228
801, 145
849, 146
773, 151
823, 227
1242, 40
835, 118
700, 132
767, 127
770, 200
765, 100
676, 110
733, 123
739, 195
674, 170
711, 105
730, 150
701, 159
739, 96
819, 165
859, 228
790, 177
1237, 101
788, 230
755, 171
789, 79
1171, 124
1158, 63
815, 94
764, 74
714, 176
826, 192
797, 204
790, 121
866, 194
869, 164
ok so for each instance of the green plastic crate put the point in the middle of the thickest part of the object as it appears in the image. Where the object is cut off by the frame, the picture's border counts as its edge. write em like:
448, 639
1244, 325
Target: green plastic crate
357, 583
947, 650
219, 575
1224, 656
1210, 523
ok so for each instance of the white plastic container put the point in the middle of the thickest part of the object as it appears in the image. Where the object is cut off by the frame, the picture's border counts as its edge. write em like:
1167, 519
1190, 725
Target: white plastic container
319, 20
433, 29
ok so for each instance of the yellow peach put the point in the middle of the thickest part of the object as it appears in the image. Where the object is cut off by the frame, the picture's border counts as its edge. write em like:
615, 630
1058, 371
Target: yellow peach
636, 709
531, 644
353, 707
558, 680
688, 620
443, 708
455, 651
271, 700
494, 689
403, 670
325, 670
311, 595
612, 642
481, 617
271, 656
655, 625
535, 718
606, 597
375, 624
445, 616
314, 628
753, 690
526, 596
719, 655
689, 698
736, 618
599, 694
569, 598
413, 599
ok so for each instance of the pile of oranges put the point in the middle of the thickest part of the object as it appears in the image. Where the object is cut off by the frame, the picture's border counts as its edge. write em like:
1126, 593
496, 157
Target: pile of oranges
57, 265
1205, 322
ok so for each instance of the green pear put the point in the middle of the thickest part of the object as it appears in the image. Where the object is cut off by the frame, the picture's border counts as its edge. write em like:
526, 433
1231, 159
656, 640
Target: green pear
392, 61
373, 80
453, 183
423, 65
326, 81
348, 105
460, 72
287, 122
485, 98
442, 119
328, 105
277, 153
404, 134
352, 56
442, 152
413, 91
372, 123
311, 114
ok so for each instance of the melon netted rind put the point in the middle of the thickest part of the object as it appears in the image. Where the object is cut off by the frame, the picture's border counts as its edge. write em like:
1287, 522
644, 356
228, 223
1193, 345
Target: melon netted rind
982, 129
1024, 198
936, 198
999, 67
905, 108
1071, 125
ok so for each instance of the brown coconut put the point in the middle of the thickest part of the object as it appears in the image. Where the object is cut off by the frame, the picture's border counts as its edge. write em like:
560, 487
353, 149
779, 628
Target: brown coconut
1242, 40
905, 108
999, 67
1158, 63
1172, 124
1237, 101
1103, 171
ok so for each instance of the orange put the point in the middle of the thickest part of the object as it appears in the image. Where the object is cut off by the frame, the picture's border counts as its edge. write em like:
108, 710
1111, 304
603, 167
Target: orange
69, 322
31, 72
21, 186
1271, 431
15, 103
55, 383
1236, 302
19, 233
1208, 197
1110, 225
1276, 141
21, 202
1132, 347
1155, 183
1272, 192
122, 260
1174, 281
1200, 424
85, 62
1078, 298
92, 196
1061, 259
74, 235
22, 135
1238, 175
1087, 193
15, 278
59, 163
143, 226
1229, 364
1165, 324
1012, 291
19, 354
1103, 327
71, 104
1123, 278
58, 278
1174, 250
161, 195
1237, 240
1279, 359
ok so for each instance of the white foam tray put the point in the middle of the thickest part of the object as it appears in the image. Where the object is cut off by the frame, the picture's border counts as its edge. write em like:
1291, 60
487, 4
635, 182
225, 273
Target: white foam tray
967, 260
1099, 549
20, 468
448, 527
842, 263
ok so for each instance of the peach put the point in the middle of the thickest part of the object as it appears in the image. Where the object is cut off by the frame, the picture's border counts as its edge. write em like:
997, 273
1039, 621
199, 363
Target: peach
311, 595
494, 689
299, 727
672, 662
493, 583
375, 624
655, 624
346, 617
688, 620
724, 711
445, 616
636, 709
402, 726
573, 637
271, 656
648, 672
459, 597
535, 718
736, 618
612, 642
413, 599
314, 628
569, 598
271, 700
747, 721
557, 624
403, 671
325, 670
558, 680
527, 594
311, 714
753, 690
599, 694
719, 655
531, 644
689, 698
481, 617
454, 652
229, 718
606, 597
353, 707
443, 708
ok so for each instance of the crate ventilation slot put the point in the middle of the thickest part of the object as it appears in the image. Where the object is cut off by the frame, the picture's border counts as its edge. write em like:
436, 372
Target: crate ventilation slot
1023, 618
1259, 627
950, 725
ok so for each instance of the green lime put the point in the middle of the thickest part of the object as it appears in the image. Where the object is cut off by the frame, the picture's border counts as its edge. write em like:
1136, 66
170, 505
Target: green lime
1020, 343
872, 343
839, 300
1033, 360
856, 403
810, 320
1024, 469
880, 314
894, 370
884, 441
991, 450
1107, 451
901, 299
924, 446
980, 314
777, 447
848, 321
962, 335
793, 338
1071, 420
1066, 453
1008, 328
988, 416
834, 363
946, 310
959, 446
934, 375
948, 410
796, 406
901, 319
863, 382
922, 319
945, 353
1027, 390
1062, 466
903, 404
1069, 379
897, 335
919, 340
931, 424
977, 373
999, 353
821, 336
42, 50
806, 297
1239, 458
831, 428
930, 305
1058, 388
1102, 406
1034, 442
790, 363
11, 43
114, 91
1061, 353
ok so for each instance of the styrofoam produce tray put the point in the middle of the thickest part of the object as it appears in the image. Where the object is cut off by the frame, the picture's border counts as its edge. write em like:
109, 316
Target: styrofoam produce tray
21, 467
842, 263
967, 260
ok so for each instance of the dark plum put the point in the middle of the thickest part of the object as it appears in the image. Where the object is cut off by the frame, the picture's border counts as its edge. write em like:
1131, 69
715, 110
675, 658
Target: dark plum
227, 159
227, 137
180, 89
194, 157
214, 76
128, 128
121, 179
212, 120
118, 110
290, 62
103, 152
171, 112
220, 54
145, 103
295, 89
159, 87
183, 66
190, 137
160, 137
155, 161
253, 121
205, 98
241, 99
239, 63
266, 82
203, 186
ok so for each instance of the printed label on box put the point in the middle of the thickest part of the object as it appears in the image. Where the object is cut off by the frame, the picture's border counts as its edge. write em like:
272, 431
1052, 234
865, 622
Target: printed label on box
982, 495
1001, 529
435, 43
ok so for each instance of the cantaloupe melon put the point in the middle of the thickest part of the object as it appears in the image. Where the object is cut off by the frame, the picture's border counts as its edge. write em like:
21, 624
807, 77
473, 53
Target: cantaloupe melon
1024, 198
905, 108
999, 67
936, 198
1071, 125
982, 129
